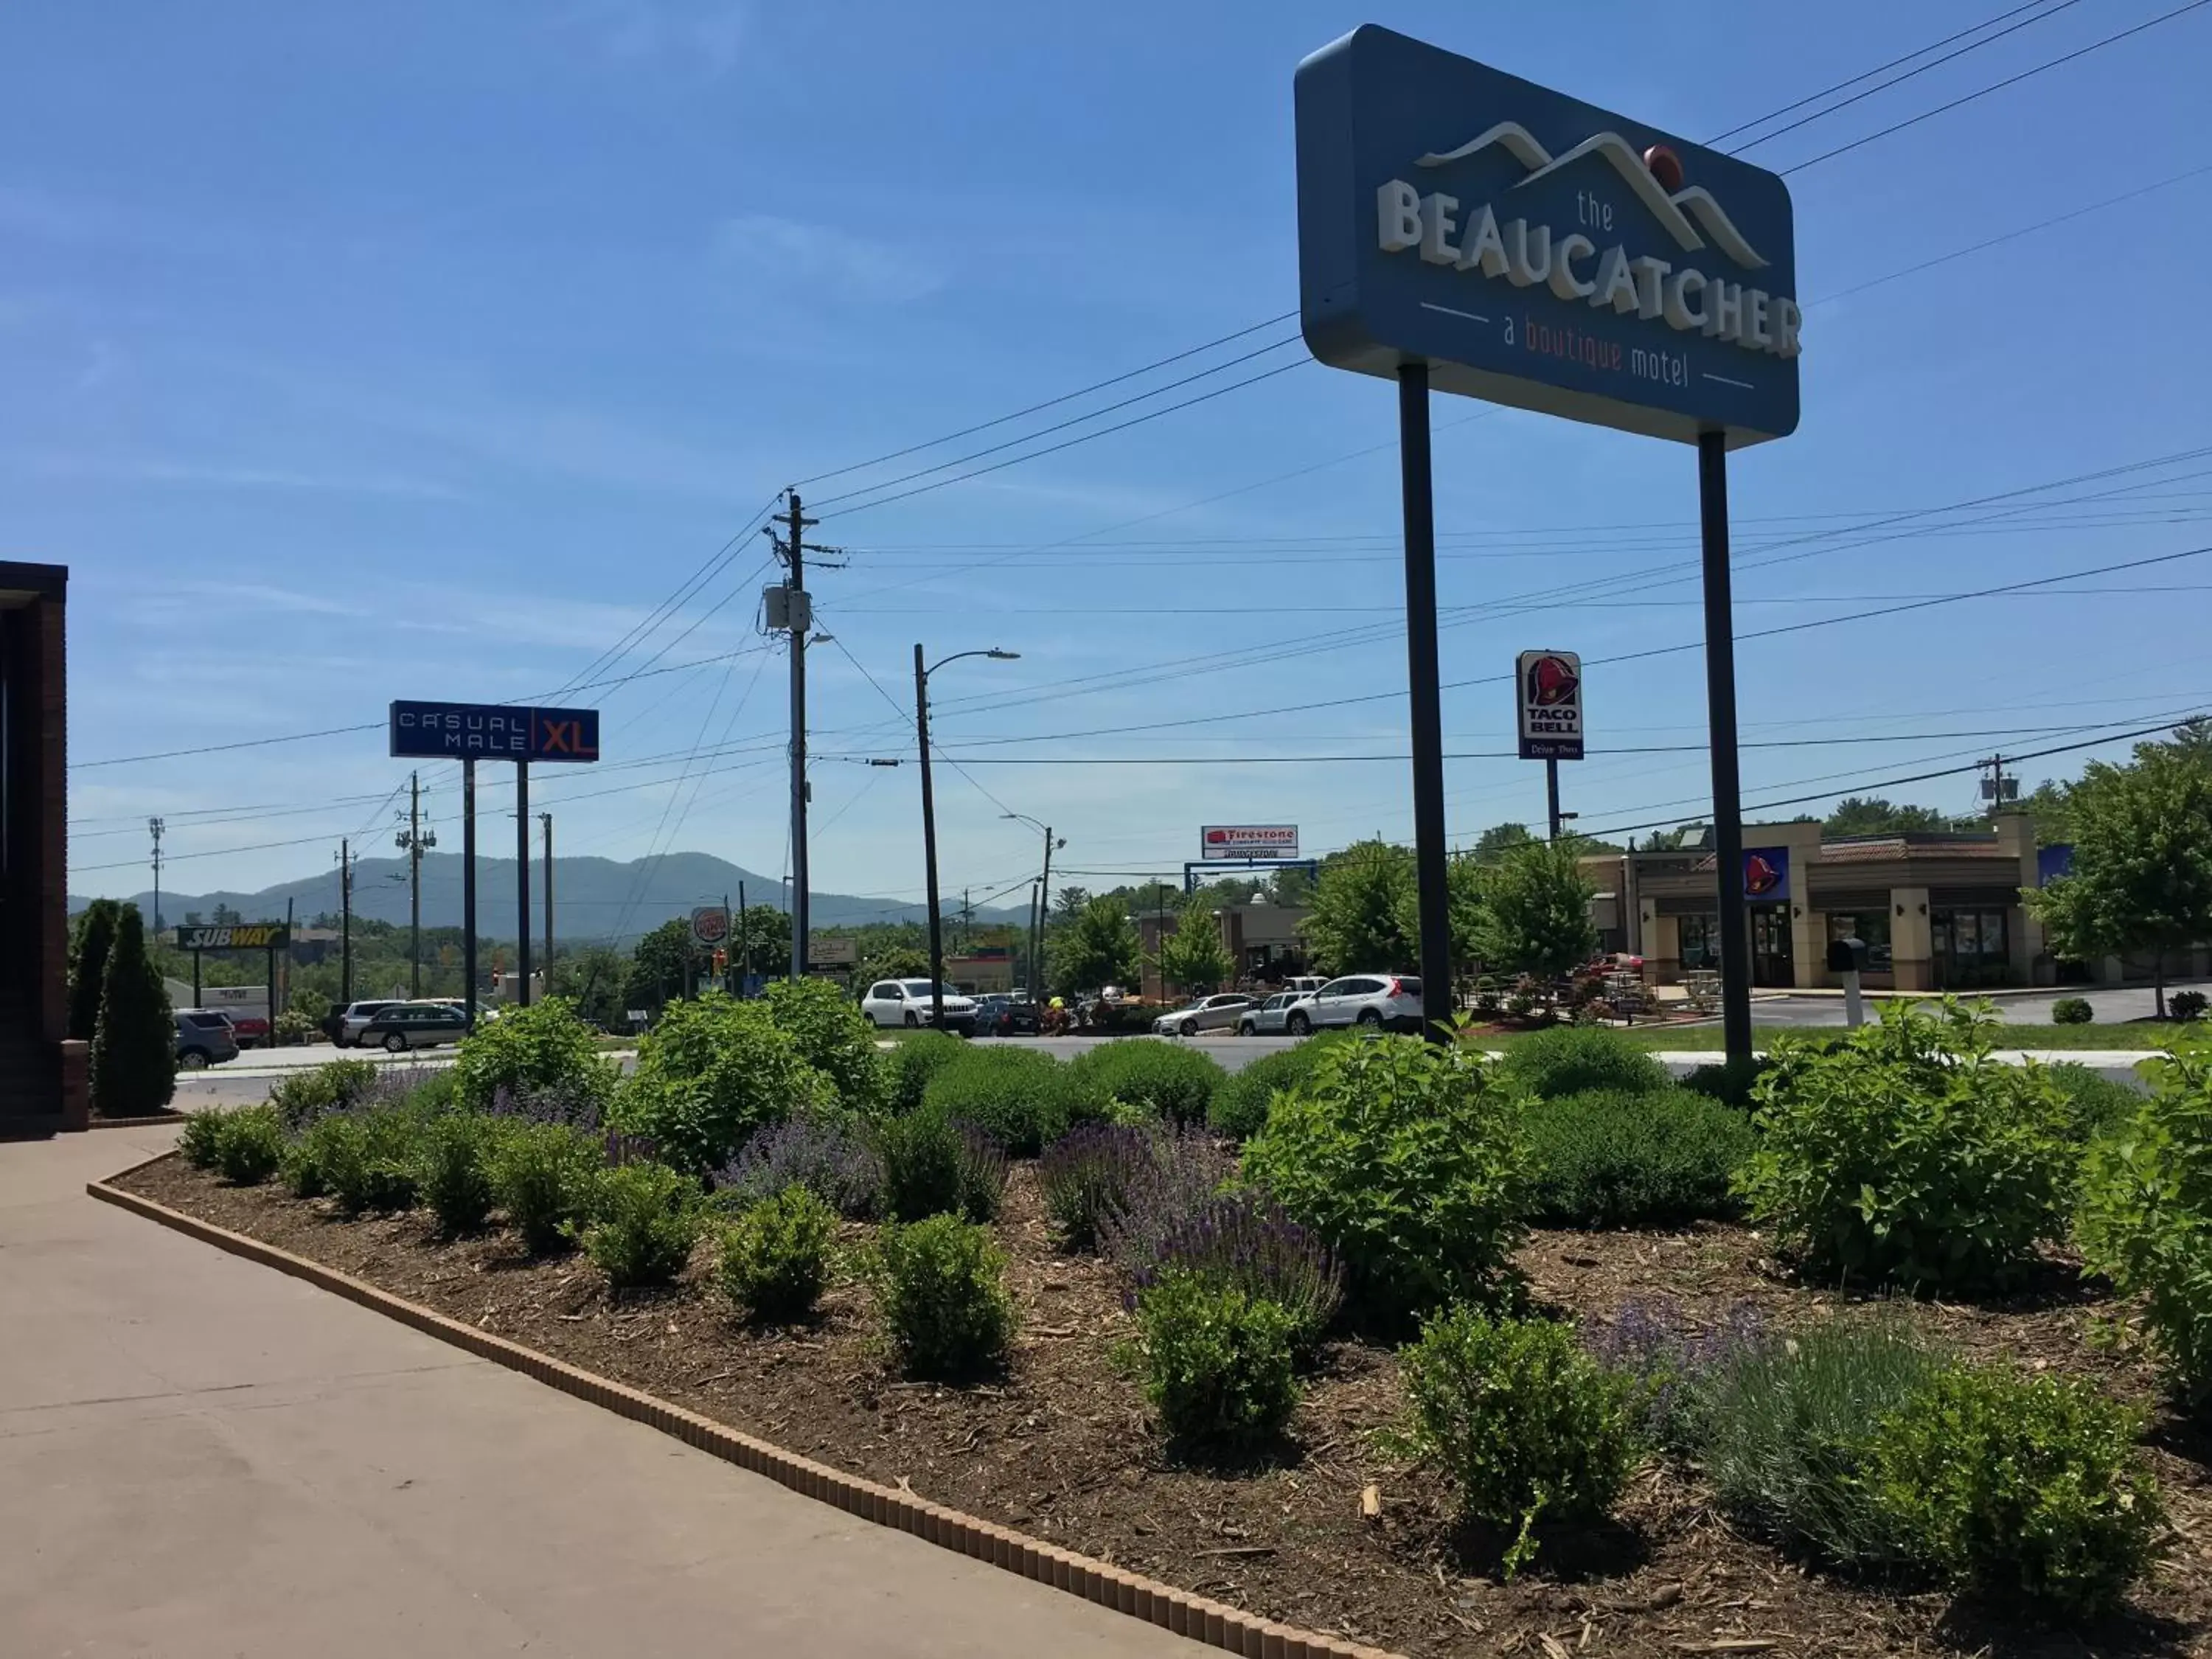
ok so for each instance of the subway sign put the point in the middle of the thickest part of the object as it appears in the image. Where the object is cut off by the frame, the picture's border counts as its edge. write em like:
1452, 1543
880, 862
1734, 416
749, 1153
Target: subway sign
240, 936
489, 730
1536, 251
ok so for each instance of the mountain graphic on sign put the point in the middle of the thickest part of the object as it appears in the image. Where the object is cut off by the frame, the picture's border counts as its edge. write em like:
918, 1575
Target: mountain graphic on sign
1673, 212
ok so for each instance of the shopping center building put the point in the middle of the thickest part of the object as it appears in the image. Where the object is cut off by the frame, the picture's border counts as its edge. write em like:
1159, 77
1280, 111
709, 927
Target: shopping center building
1936, 911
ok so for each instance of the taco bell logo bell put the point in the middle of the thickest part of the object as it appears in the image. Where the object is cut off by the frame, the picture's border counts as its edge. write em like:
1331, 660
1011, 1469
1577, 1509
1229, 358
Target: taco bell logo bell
1550, 694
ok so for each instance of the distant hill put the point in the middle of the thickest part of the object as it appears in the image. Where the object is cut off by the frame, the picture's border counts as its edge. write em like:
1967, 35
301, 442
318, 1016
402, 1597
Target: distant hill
591, 897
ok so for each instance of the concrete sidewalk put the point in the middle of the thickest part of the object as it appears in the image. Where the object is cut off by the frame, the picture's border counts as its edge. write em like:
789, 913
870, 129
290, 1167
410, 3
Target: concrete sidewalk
202, 1458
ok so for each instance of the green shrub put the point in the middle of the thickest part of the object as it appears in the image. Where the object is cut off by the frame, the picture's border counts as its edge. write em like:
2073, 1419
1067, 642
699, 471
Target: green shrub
1792, 1428
915, 1058
2146, 1213
933, 1166
2094, 1103
1216, 1363
1731, 1081
2026, 1487
299, 1171
2187, 1004
2072, 1010
713, 1072
1409, 1160
544, 1177
940, 1289
1605, 1159
1023, 1097
1908, 1156
200, 1142
305, 1096
452, 1169
366, 1160
249, 1144
1576, 1060
775, 1257
530, 1051
1172, 1082
1527, 1425
291, 1027
132, 1070
833, 1036
1241, 1100
645, 1220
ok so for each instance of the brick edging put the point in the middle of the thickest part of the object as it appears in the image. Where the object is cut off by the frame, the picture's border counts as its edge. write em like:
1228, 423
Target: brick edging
1173, 1610
154, 1121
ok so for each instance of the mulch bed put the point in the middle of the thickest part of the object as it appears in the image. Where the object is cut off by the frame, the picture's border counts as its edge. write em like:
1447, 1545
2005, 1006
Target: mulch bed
1062, 1446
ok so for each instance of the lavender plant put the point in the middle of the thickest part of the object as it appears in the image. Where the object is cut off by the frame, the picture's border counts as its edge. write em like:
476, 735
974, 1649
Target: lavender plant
830, 1160
569, 1101
1240, 1241
1676, 1363
1187, 1168
1090, 1172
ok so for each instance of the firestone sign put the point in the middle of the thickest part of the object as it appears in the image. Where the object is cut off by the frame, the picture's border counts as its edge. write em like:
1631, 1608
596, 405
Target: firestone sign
1549, 689
1248, 840
1536, 251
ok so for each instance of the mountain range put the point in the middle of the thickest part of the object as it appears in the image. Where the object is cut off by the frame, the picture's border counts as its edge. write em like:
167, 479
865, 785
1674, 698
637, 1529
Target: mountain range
593, 898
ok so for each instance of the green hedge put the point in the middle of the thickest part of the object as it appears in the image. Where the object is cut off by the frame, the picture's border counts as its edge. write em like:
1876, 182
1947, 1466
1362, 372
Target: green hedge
1023, 1098
1163, 1079
1611, 1159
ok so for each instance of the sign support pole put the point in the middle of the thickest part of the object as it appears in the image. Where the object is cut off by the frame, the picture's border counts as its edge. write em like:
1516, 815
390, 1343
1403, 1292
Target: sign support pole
1425, 695
1720, 704
929, 842
1551, 794
469, 890
522, 878
196, 979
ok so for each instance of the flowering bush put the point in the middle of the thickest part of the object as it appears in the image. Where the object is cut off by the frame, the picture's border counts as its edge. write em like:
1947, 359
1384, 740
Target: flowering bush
1240, 1241
1185, 1169
932, 1166
1090, 1172
830, 1158
1676, 1366
573, 1102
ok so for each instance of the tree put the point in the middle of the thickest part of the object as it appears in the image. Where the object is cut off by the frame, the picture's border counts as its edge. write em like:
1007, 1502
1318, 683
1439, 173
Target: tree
767, 940
2142, 861
2051, 806
1068, 902
1192, 957
1357, 919
1871, 815
660, 964
1499, 836
134, 1045
1096, 947
93, 938
593, 978
894, 962
1535, 910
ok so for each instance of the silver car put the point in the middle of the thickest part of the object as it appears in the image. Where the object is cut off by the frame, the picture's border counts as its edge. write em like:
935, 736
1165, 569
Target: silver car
1384, 1002
1219, 1013
1270, 1017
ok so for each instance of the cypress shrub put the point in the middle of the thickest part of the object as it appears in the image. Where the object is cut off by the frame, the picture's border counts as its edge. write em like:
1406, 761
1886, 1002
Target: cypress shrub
134, 1046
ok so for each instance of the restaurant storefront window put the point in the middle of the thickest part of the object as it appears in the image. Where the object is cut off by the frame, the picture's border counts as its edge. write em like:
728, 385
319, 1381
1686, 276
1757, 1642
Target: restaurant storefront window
1972, 947
1701, 941
1870, 926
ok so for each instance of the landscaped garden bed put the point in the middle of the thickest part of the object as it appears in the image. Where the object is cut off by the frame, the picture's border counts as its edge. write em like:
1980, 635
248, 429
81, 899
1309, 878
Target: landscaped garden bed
1340, 1523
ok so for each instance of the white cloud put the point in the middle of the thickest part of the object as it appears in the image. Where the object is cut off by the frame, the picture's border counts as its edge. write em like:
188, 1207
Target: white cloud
815, 257
147, 470
703, 36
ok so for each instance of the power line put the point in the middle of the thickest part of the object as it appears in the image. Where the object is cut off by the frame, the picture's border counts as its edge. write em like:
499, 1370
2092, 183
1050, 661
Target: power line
1995, 85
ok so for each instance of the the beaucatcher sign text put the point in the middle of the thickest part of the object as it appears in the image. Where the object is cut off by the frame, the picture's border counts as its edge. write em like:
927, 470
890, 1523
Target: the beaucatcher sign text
1537, 251
1550, 692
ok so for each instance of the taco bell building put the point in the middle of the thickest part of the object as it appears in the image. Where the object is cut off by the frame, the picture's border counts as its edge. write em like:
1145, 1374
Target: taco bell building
1937, 912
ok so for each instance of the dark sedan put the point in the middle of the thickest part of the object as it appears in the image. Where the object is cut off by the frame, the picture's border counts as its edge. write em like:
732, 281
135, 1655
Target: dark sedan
407, 1025
998, 1014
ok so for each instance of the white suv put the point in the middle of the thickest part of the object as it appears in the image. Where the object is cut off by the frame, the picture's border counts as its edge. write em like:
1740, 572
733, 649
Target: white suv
907, 1002
1386, 1002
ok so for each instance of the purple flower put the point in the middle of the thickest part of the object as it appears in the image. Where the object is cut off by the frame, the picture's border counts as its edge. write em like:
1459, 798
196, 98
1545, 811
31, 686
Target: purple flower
1241, 1241
567, 1102
1187, 1168
624, 1150
830, 1160
1091, 1172
1676, 1360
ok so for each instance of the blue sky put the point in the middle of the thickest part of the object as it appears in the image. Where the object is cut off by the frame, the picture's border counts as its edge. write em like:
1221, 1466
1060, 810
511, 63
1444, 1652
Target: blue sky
344, 361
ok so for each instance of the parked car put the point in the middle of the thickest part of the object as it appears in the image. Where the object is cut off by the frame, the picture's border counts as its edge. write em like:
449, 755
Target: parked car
355, 1020
405, 1025
1217, 1014
1304, 984
998, 1014
1388, 1002
907, 1002
1270, 1017
204, 1038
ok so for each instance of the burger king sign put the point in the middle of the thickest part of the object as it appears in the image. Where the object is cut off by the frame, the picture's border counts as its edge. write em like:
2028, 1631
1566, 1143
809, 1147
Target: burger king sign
1548, 686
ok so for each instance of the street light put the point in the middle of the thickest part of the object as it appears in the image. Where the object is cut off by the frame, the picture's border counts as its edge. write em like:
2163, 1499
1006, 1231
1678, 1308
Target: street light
1044, 894
929, 815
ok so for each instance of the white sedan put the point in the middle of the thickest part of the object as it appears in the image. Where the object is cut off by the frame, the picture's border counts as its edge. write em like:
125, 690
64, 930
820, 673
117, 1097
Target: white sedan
1219, 1013
907, 1002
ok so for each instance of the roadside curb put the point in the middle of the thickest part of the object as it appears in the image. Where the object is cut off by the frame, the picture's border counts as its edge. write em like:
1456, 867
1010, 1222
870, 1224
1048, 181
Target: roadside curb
158, 1120
1155, 1603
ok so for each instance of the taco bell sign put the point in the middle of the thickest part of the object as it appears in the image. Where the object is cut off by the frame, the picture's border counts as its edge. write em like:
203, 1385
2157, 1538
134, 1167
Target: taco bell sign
1536, 251
1550, 693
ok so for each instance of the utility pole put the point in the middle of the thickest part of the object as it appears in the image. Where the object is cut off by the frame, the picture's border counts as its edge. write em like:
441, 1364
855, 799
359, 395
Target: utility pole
1996, 789
345, 923
792, 548
412, 840
929, 843
744, 943
1036, 912
153, 827
545, 821
967, 918
522, 882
